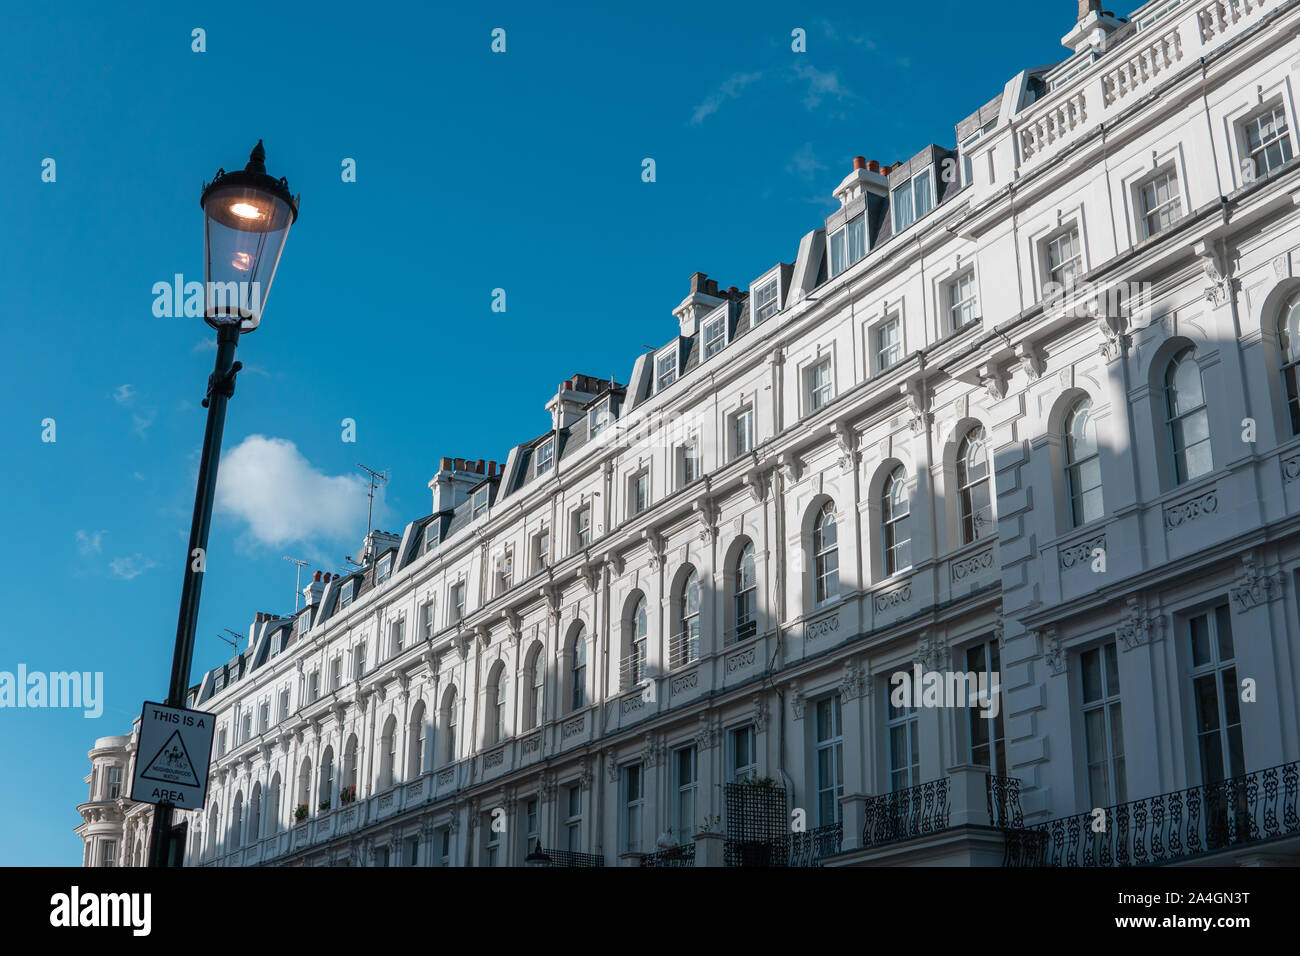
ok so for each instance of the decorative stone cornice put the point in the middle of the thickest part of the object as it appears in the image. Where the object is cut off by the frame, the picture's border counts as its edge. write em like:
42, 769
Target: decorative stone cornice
1217, 264
931, 652
1138, 627
1031, 360
1053, 652
855, 683
1256, 587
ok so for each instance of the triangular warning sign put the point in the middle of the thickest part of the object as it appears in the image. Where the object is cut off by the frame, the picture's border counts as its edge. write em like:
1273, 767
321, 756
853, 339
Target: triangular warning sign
172, 764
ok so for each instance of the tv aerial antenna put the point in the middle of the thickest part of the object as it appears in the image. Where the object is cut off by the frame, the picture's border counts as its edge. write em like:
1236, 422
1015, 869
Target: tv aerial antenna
233, 640
376, 477
297, 583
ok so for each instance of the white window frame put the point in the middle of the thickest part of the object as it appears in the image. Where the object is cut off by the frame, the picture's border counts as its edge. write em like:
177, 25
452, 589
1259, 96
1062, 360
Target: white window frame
598, 418
545, 459
664, 380
457, 603
1251, 158
955, 307
1109, 703
1052, 274
713, 334
758, 290
912, 187
541, 555
829, 748
841, 237
738, 772
689, 451
479, 503
1167, 172
580, 526
631, 808
879, 350
638, 492
743, 413
819, 394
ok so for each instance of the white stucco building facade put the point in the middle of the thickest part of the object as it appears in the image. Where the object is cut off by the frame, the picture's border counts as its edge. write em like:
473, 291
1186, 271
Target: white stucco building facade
1026, 407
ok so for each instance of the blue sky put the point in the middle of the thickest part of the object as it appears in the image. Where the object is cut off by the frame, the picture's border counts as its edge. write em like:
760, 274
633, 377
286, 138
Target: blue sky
475, 171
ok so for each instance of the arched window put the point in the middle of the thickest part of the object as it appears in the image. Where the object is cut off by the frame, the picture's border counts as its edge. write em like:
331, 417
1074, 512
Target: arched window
255, 813
746, 597
388, 753
1082, 464
325, 790
236, 820
304, 782
1288, 328
638, 632
449, 725
896, 533
350, 763
973, 486
578, 670
536, 690
1187, 417
273, 805
826, 555
417, 737
686, 644
497, 695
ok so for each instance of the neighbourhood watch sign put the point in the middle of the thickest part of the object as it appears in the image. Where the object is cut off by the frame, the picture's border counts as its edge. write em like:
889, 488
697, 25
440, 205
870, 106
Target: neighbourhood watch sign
171, 764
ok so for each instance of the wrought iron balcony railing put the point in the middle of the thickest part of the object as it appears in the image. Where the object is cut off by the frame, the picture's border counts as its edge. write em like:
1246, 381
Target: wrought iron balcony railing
804, 849
1252, 808
903, 814
683, 855
1004, 802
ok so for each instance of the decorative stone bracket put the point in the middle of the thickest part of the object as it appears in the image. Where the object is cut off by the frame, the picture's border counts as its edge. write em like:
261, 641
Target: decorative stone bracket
1257, 587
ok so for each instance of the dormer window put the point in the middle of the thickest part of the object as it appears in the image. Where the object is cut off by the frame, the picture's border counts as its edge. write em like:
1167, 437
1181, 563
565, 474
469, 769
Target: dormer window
714, 335
665, 369
430, 536
480, 502
848, 244
385, 569
767, 298
545, 456
913, 199
597, 419
304, 622
345, 595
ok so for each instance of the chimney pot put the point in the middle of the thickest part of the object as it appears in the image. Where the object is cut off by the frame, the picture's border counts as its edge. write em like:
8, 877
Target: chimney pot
444, 464
873, 166
732, 290
492, 468
479, 465
697, 281
859, 162
316, 576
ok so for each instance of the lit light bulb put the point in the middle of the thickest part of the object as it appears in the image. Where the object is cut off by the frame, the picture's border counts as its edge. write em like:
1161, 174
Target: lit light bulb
242, 261
246, 210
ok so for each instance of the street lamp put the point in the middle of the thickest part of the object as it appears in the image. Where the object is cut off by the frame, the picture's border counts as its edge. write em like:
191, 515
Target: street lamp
246, 219
538, 857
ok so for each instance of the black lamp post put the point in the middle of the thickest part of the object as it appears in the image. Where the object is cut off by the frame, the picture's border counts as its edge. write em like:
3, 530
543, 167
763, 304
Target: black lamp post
246, 219
538, 857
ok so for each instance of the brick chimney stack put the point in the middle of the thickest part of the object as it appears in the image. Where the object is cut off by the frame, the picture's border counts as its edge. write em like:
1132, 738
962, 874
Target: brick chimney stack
702, 300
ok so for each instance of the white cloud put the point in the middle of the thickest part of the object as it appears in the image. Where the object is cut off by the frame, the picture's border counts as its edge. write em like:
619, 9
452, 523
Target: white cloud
130, 567
729, 90
123, 394
204, 345
806, 163
90, 543
821, 84
140, 422
282, 497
